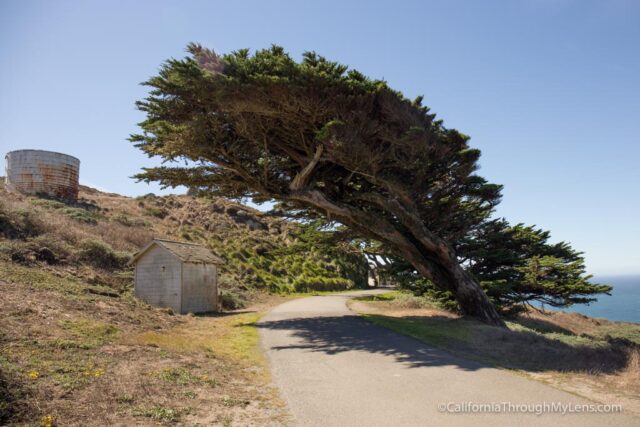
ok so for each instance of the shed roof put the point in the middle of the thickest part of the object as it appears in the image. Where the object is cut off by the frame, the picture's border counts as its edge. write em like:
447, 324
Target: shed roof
185, 252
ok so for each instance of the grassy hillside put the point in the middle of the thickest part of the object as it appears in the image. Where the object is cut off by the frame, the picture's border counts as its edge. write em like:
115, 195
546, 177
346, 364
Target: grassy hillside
98, 234
76, 348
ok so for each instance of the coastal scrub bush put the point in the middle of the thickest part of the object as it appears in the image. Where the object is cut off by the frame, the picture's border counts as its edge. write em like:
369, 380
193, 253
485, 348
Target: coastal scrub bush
232, 300
42, 248
18, 223
320, 283
156, 212
82, 215
101, 255
81, 212
129, 221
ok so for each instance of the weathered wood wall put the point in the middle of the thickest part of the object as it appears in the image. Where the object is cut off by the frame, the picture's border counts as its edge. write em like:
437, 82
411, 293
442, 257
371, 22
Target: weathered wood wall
199, 288
157, 285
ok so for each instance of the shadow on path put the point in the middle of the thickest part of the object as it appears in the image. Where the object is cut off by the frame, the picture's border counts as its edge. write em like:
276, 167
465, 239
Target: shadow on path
523, 350
337, 334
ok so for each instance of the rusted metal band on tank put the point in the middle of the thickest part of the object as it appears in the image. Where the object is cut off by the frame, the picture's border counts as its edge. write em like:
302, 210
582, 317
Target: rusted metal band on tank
43, 172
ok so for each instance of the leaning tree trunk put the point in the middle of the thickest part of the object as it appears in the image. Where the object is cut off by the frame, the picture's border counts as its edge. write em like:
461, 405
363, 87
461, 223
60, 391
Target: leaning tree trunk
428, 254
468, 293
434, 259
444, 270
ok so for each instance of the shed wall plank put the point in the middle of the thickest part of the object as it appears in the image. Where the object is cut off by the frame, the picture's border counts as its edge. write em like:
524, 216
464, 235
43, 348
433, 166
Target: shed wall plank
156, 285
199, 288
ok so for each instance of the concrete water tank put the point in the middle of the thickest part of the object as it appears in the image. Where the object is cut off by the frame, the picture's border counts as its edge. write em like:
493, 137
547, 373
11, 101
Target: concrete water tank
38, 172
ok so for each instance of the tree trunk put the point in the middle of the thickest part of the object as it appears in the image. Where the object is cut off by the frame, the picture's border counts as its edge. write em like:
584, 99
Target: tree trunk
428, 254
471, 297
446, 273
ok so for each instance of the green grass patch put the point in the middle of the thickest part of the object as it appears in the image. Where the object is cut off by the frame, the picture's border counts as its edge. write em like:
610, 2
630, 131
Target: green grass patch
447, 333
79, 214
161, 413
399, 299
82, 215
233, 336
89, 333
627, 331
45, 280
39, 279
182, 377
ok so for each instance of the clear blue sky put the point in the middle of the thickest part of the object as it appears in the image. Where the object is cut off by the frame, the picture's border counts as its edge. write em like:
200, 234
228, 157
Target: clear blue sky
549, 90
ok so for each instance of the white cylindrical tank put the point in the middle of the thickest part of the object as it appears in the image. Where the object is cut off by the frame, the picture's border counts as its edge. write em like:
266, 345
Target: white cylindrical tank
38, 172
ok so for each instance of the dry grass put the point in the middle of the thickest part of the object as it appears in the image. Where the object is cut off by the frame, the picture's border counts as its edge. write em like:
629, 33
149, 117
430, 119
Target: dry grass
77, 347
86, 359
596, 358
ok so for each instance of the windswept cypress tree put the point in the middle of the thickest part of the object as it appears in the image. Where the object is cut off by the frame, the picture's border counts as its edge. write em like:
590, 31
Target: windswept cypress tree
324, 139
516, 266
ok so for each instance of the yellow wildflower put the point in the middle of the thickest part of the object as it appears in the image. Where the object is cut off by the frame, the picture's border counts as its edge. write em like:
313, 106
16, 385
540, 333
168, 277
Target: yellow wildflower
47, 421
34, 375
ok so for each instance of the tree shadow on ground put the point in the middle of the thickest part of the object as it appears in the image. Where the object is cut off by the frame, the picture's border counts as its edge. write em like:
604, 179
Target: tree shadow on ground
223, 313
468, 344
337, 334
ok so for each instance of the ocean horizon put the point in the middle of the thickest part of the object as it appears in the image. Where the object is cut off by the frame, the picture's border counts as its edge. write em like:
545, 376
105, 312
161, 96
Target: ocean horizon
622, 305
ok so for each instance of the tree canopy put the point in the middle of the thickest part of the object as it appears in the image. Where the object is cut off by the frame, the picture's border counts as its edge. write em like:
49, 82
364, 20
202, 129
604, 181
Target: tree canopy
322, 140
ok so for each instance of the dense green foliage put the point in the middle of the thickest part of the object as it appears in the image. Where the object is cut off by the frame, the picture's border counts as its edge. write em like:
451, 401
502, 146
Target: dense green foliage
303, 265
516, 266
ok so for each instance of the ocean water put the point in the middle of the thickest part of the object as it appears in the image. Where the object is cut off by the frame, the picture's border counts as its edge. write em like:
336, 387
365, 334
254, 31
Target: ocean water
623, 304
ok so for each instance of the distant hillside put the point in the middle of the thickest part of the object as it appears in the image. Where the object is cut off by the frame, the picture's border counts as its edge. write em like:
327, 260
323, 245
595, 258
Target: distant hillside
94, 238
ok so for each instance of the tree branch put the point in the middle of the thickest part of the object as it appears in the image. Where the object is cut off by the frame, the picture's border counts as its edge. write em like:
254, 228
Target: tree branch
300, 180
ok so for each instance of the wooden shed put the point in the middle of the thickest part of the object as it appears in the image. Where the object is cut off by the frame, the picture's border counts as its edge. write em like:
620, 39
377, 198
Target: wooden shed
177, 275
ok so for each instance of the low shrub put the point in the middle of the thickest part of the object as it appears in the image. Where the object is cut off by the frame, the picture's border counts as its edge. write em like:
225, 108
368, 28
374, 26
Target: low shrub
129, 221
81, 212
232, 293
320, 283
12, 397
48, 203
101, 255
156, 212
82, 215
407, 300
39, 249
232, 300
19, 223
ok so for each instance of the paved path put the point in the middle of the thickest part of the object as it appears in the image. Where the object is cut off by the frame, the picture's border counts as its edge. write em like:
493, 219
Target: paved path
336, 369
